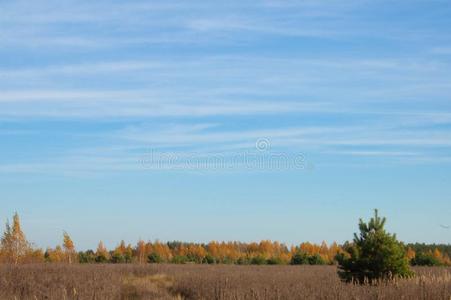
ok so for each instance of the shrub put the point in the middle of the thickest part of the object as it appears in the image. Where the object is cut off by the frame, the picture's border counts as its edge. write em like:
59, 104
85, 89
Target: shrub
128, 257
227, 261
154, 258
117, 258
425, 259
316, 259
303, 258
179, 259
258, 260
243, 261
374, 254
86, 257
299, 258
275, 261
209, 259
101, 258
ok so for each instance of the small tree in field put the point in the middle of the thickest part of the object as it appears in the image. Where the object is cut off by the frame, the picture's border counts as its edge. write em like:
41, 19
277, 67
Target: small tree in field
102, 255
69, 248
13, 244
374, 254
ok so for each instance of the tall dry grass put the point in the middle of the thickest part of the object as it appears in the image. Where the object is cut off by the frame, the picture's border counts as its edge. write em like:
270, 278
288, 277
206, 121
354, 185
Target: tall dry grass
81, 282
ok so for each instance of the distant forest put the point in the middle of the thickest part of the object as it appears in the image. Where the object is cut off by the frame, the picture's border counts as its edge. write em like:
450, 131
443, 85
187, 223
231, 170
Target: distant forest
15, 249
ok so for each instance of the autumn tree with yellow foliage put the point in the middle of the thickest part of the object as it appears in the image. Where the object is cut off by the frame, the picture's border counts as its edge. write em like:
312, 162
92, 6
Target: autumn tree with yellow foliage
102, 254
14, 246
69, 248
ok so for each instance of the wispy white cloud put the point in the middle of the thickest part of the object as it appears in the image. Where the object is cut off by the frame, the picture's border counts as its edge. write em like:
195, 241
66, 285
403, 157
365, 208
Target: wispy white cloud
226, 24
190, 147
94, 104
198, 135
166, 23
83, 68
326, 139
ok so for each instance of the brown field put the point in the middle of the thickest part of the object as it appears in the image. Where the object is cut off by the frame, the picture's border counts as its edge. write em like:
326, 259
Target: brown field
53, 281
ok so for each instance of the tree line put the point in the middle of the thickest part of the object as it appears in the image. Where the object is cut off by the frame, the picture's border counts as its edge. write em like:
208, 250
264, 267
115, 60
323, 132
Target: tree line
15, 249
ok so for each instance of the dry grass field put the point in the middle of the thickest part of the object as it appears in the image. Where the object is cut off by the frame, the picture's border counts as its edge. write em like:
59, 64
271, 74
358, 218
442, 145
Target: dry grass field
53, 281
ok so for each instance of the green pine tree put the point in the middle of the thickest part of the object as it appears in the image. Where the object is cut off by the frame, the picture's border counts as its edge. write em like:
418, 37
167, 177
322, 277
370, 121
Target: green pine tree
374, 255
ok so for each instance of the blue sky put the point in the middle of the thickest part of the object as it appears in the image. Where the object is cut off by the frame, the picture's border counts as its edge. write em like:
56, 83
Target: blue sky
225, 120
